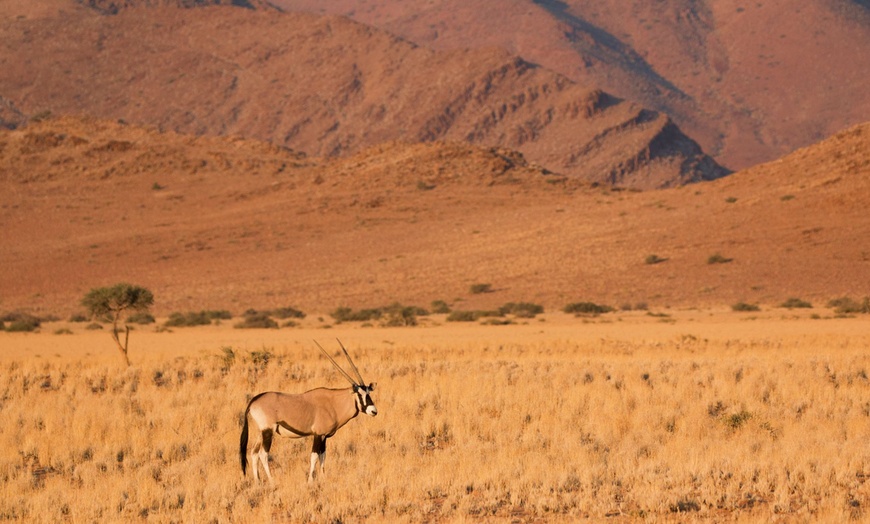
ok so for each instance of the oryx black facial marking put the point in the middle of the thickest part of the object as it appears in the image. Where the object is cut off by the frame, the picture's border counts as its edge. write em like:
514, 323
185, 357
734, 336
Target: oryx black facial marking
318, 413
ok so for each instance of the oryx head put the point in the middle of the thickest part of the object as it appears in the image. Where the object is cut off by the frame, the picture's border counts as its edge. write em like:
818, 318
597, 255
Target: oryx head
364, 401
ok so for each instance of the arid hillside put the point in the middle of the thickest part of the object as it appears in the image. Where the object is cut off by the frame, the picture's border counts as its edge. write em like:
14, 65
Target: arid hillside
750, 81
221, 222
327, 86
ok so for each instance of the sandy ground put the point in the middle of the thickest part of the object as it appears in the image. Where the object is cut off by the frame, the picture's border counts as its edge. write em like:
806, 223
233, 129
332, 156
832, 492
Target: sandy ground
773, 328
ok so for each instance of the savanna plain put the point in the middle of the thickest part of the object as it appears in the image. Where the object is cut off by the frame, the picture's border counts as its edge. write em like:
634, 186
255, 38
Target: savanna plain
679, 415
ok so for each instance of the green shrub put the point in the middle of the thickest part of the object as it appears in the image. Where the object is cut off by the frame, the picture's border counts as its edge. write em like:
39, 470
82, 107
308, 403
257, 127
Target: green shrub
743, 306
477, 289
288, 312
653, 259
717, 258
256, 320
497, 322
346, 314
21, 322
737, 420
261, 358
471, 316
848, 306
440, 307
521, 309
462, 316
586, 308
141, 318
191, 318
793, 303
78, 317
196, 318
398, 315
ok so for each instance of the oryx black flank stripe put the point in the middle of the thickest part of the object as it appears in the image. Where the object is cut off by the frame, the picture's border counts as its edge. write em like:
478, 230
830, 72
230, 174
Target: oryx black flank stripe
288, 427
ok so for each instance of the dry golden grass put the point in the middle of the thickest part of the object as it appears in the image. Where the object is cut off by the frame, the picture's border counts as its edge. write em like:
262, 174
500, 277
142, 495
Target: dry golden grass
711, 416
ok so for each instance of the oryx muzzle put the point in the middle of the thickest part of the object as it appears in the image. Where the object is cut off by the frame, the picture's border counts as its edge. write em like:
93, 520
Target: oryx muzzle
317, 413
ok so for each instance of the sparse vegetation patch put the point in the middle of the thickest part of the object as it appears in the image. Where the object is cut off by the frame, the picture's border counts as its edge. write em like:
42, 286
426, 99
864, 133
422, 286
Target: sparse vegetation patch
744, 307
718, 258
849, 306
796, 303
196, 318
521, 309
256, 320
477, 289
471, 315
586, 308
394, 315
20, 322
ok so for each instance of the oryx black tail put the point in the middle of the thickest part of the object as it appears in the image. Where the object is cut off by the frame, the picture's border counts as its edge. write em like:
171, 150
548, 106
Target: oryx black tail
243, 445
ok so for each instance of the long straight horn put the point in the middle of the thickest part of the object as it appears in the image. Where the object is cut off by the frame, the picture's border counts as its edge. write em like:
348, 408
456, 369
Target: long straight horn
334, 363
352, 365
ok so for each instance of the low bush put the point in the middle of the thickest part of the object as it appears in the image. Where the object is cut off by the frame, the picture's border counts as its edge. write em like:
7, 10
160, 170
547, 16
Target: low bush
477, 289
141, 318
256, 320
196, 318
394, 315
793, 303
718, 258
586, 308
439, 307
848, 306
398, 315
653, 259
21, 322
471, 316
462, 316
743, 307
288, 312
521, 309
189, 319
346, 314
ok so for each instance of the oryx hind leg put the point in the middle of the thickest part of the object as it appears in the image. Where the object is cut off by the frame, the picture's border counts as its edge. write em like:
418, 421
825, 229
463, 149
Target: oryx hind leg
263, 453
318, 454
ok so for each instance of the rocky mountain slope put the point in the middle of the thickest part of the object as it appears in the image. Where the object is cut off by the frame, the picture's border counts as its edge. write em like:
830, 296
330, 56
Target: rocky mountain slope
329, 87
750, 81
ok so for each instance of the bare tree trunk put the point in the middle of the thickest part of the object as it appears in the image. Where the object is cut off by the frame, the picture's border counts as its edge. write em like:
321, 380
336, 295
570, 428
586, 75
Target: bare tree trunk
122, 348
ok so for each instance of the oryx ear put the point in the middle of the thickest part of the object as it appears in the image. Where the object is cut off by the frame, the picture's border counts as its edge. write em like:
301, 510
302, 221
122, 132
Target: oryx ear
372, 386
355, 388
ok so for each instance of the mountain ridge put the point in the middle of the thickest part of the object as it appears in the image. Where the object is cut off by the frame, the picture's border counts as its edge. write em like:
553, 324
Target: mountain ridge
321, 84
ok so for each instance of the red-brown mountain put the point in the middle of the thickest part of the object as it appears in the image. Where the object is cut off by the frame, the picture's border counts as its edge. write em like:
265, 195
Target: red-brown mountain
327, 86
750, 81
228, 223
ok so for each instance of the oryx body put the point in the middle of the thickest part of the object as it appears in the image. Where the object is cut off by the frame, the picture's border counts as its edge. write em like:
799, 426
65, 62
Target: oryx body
318, 413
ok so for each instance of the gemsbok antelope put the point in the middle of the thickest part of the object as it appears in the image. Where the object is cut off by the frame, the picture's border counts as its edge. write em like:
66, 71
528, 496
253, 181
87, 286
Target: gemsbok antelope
317, 413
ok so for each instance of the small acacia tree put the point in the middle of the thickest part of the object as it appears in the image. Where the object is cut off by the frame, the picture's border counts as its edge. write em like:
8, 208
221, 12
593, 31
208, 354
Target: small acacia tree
114, 303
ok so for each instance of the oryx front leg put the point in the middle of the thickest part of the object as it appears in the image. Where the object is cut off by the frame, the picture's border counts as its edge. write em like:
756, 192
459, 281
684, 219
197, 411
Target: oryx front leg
318, 454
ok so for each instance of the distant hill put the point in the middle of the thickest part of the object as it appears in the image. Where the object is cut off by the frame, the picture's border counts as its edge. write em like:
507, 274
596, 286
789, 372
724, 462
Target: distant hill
749, 81
328, 86
230, 223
